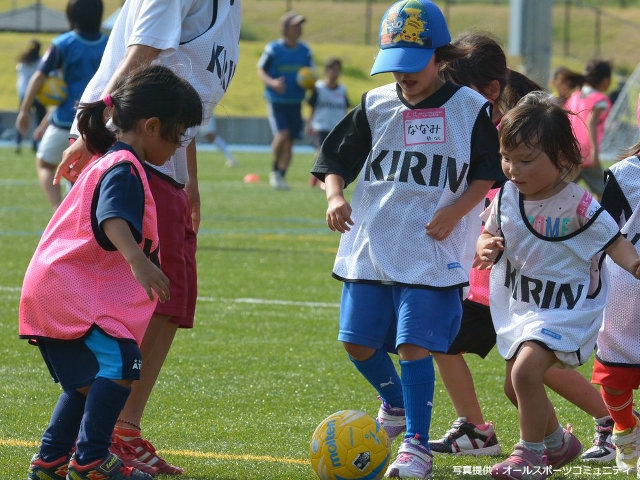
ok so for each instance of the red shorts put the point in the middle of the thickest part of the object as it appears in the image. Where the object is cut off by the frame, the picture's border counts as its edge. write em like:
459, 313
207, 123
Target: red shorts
616, 378
177, 250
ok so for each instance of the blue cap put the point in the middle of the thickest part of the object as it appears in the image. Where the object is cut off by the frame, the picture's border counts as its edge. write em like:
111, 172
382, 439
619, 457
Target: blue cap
410, 32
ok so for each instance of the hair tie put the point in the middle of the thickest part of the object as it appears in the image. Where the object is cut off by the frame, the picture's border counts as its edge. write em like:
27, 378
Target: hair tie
108, 101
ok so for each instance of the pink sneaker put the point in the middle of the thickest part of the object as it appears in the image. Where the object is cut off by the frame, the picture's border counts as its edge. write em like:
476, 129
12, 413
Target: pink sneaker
522, 464
570, 449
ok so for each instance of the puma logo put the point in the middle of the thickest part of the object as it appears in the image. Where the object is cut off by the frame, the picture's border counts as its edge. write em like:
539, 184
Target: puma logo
386, 384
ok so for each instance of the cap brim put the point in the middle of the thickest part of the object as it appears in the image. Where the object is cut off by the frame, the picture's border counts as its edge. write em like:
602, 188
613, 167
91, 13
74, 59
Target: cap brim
401, 60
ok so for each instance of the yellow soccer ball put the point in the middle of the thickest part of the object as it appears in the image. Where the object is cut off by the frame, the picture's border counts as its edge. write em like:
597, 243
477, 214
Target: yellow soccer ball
53, 92
350, 445
306, 78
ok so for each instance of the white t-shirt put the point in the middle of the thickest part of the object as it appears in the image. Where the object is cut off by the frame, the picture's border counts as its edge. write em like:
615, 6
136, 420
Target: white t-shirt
199, 42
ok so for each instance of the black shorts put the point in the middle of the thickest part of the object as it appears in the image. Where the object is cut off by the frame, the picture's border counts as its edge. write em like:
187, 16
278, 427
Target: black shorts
477, 334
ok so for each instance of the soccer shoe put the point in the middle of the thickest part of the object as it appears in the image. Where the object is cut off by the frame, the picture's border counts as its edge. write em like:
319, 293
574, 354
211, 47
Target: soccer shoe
392, 420
567, 452
602, 450
143, 452
127, 454
627, 444
522, 464
413, 461
277, 181
55, 470
110, 468
464, 438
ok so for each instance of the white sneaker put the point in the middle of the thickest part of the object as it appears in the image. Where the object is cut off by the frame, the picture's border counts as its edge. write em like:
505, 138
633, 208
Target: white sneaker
413, 461
277, 181
627, 445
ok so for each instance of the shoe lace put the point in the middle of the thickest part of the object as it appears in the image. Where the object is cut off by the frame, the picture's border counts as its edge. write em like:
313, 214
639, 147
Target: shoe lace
148, 446
601, 435
122, 449
126, 471
454, 431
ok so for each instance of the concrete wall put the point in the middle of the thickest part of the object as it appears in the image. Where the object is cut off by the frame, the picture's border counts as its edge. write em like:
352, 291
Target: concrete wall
235, 130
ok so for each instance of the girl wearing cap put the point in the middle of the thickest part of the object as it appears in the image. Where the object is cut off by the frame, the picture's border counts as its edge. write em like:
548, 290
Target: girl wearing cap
277, 68
423, 153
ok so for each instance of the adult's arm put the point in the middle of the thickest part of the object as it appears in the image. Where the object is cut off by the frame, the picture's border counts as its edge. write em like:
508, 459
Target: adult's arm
76, 156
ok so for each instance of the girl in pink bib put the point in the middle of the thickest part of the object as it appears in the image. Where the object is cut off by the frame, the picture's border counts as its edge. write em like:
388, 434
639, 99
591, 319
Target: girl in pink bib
94, 279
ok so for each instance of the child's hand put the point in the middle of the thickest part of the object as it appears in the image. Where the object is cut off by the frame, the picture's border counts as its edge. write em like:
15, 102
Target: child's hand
152, 279
278, 85
442, 223
487, 250
339, 214
636, 268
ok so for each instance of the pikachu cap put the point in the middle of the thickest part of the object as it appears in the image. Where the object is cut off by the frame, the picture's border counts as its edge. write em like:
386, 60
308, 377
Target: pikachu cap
410, 32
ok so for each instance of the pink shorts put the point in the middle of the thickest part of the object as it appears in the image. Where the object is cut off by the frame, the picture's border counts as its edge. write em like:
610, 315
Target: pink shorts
177, 250
616, 378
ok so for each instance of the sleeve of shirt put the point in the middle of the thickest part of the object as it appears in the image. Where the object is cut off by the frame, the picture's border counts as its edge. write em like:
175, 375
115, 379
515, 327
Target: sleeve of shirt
613, 199
485, 150
158, 24
120, 195
52, 60
264, 62
345, 150
313, 98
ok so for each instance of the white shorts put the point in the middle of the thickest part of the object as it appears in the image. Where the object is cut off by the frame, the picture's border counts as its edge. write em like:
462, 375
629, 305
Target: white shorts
54, 141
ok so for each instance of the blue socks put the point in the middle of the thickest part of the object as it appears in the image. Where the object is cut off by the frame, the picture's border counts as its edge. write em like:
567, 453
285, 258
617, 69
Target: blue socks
418, 380
60, 435
104, 404
381, 373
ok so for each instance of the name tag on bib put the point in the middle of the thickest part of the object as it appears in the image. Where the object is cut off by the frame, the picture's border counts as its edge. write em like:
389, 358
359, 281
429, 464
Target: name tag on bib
424, 126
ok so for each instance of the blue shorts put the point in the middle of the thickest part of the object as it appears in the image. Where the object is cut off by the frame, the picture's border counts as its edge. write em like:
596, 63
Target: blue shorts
286, 116
387, 316
77, 363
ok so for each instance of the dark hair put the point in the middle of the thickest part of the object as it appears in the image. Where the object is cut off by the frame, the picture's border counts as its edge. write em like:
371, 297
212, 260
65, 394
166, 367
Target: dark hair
596, 71
31, 54
448, 53
146, 92
333, 62
568, 77
537, 121
484, 62
85, 15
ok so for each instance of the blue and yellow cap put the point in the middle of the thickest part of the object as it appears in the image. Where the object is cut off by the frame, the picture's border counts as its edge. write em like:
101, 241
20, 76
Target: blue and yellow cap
410, 32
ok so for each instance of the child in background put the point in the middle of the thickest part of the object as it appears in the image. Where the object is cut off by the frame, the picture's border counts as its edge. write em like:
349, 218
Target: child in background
564, 82
76, 54
328, 103
540, 237
484, 69
591, 106
27, 65
94, 279
277, 68
617, 365
424, 153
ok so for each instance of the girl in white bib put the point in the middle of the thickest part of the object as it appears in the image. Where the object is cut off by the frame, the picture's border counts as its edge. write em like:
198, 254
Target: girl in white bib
547, 295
